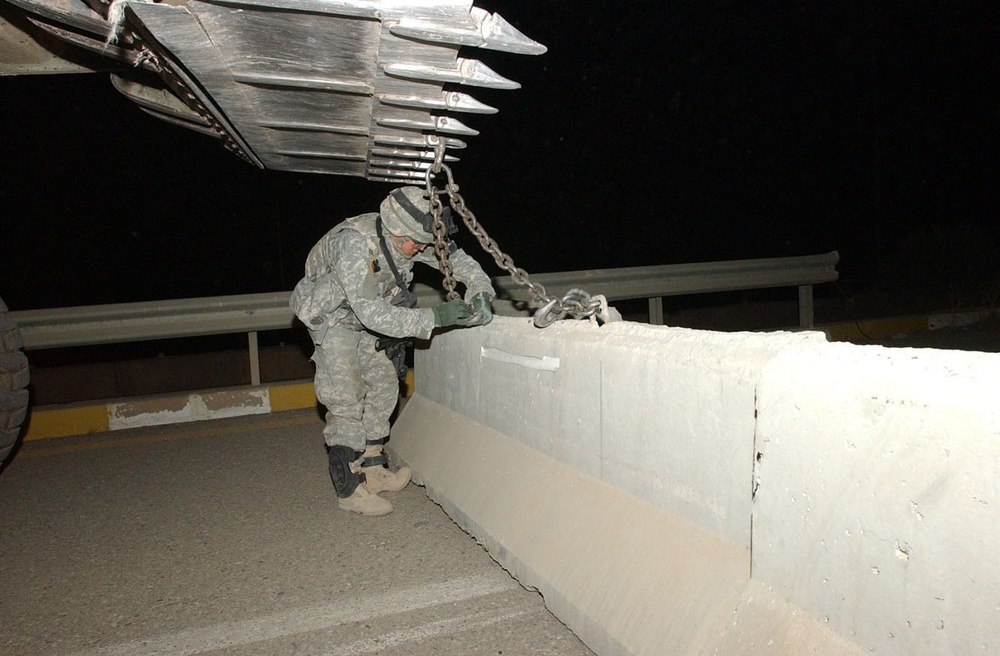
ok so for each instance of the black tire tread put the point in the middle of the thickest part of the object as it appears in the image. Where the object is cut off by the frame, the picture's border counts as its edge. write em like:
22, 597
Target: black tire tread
14, 378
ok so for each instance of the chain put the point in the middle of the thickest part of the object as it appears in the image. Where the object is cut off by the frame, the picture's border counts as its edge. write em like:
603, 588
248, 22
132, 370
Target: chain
576, 302
441, 247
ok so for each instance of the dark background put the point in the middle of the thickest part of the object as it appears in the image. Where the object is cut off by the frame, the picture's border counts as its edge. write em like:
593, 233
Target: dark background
649, 133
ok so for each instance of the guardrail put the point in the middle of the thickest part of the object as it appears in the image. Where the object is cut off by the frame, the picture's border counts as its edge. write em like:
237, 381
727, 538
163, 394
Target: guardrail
655, 282
252, 313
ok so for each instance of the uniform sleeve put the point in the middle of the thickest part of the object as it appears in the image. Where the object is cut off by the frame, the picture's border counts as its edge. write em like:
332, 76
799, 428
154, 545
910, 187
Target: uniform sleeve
351, 263
467, 271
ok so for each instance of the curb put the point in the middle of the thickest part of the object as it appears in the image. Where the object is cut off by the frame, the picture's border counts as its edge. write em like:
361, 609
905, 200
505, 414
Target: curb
875, 329
45, 422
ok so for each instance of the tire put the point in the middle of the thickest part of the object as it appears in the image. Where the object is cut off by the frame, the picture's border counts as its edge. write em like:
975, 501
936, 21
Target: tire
14, 378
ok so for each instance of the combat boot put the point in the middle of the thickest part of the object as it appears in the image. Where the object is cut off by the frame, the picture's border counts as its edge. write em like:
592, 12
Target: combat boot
365, 502
349, 483
375, 468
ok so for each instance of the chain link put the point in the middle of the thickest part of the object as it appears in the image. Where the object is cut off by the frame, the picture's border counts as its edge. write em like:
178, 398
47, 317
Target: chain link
576, 302
441, 247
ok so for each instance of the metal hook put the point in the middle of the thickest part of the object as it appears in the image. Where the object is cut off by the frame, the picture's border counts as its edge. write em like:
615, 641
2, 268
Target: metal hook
548, 314
439, 149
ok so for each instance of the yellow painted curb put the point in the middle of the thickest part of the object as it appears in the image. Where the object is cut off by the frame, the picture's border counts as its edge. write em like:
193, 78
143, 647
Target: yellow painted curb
875, 328
292, 396
80, 419
64, 421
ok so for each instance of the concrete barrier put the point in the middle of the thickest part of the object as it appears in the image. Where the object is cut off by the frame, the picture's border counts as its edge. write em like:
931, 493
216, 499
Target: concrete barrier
878, 508
672, 491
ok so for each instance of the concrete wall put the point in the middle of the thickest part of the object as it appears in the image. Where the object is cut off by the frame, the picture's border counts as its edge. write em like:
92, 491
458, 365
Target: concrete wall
879, 503
643, 408
672, 491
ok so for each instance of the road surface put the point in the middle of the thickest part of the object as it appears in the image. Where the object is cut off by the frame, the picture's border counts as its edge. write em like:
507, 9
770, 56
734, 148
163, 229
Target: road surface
224, 537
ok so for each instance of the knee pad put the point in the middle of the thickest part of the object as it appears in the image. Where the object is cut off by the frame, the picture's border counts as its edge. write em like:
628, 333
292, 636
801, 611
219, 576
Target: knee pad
342, 472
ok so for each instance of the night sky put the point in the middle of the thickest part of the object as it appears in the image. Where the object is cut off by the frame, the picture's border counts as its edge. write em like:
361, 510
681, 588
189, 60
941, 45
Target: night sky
649, 133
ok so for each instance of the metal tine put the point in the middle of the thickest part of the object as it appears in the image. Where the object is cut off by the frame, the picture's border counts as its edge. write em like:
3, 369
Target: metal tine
410, 154
294, 81
452, 101
409, 165
320, 154
436, 123
338, 8
301, 126
427, 141
390, 175
467, 71
487, 30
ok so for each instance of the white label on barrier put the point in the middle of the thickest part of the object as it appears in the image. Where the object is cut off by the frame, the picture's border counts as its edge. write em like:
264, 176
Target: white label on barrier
545, 363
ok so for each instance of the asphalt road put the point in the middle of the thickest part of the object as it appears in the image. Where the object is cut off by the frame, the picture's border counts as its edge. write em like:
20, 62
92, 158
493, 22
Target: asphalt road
224, 537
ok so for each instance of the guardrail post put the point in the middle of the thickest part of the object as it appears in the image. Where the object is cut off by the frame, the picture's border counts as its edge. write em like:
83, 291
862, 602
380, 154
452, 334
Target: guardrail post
656, 310
806, 306
254, 359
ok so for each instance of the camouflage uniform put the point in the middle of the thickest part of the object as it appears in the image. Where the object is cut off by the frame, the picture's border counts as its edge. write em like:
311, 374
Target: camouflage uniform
345, 301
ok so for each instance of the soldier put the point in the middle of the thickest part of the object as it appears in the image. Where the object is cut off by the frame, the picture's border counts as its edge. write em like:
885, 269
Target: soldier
356, 301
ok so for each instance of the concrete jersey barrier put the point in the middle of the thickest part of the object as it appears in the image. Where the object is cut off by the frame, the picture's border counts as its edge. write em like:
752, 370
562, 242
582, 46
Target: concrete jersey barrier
672, 491
878, 509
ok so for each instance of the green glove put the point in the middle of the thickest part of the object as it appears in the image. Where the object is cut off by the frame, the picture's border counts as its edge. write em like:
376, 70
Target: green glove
452, 313
482, 312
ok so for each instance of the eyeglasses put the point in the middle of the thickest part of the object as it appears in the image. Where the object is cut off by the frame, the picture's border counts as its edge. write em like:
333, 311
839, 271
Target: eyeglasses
399, 241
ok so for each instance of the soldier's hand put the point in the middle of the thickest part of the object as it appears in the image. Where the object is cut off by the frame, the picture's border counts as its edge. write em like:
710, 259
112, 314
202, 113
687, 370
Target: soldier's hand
452, 313
482, 312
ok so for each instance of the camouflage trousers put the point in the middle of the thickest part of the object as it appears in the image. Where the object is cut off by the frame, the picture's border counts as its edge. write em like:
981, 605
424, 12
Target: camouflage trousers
356, 383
